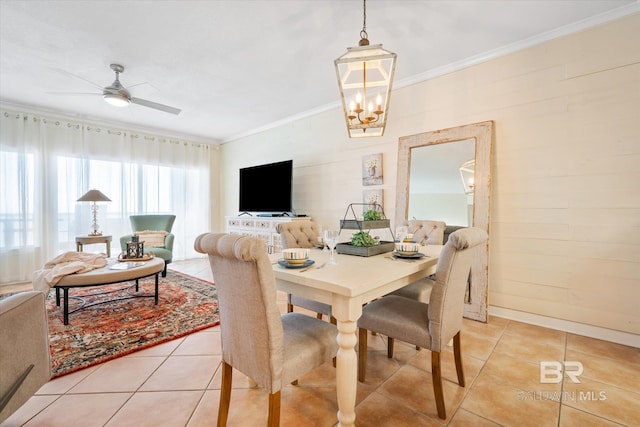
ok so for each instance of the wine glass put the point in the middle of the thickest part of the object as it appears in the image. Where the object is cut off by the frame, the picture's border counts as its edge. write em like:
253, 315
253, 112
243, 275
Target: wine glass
331, 239
401, 233
321, 240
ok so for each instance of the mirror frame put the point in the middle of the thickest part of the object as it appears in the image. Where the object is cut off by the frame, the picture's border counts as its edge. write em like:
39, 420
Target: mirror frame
482, 134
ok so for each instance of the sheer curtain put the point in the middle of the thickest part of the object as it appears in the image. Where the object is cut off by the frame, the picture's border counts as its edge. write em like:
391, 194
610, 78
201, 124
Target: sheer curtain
48, 163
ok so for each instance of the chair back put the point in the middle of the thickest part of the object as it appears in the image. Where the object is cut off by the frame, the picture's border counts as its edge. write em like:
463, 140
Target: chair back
450, 229
25, 349
427, 232
298, 234
250, 322
446, 304
152, 222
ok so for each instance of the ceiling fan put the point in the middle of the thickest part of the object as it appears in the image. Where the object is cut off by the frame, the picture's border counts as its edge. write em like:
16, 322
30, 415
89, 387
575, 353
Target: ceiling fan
117, 95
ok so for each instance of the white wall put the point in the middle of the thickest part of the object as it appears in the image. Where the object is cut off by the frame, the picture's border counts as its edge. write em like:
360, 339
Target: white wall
565, 224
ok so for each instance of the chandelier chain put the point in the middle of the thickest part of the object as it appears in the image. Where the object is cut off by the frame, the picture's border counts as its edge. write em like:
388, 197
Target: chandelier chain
363, 33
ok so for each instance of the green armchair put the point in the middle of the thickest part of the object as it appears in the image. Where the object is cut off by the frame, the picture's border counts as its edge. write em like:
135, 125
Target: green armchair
141, 223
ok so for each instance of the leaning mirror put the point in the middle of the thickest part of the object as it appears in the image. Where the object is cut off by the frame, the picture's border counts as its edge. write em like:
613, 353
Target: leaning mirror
441, 182
445, 175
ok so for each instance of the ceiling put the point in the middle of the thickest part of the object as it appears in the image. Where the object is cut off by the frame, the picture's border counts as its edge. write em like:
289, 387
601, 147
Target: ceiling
236, 67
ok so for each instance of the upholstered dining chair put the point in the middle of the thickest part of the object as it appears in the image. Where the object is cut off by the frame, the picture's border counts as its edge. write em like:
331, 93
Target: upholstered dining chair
270, 348
425, 232
25, 364
155, 230
302, 234
430, 325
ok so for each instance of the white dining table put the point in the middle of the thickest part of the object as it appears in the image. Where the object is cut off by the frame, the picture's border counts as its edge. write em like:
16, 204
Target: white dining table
346, 286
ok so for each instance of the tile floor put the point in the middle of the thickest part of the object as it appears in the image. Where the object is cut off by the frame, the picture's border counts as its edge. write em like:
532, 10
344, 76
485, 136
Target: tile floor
177, 384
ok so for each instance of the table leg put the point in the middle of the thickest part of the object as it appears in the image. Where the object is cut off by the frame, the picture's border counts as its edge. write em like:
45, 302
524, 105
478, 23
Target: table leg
108, 249
57, 297
157, 274
66, 305
346, 373
78, 247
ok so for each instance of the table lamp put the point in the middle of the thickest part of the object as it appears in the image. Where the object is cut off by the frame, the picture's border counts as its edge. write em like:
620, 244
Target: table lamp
94, 196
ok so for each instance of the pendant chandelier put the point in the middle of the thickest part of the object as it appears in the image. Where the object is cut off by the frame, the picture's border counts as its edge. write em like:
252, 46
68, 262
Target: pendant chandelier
365, 74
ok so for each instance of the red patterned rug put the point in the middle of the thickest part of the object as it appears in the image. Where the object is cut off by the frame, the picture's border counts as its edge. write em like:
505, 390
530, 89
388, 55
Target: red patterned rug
103, 332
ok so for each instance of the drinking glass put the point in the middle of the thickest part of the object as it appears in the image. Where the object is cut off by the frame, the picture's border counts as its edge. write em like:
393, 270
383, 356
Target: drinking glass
321, 240
331, 239
401, 233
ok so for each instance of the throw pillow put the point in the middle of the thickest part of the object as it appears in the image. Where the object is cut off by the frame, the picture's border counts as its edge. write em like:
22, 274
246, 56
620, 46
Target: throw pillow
152, 238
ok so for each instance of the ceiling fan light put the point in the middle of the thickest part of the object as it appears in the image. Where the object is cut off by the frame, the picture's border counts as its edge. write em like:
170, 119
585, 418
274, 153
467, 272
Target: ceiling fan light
116, 100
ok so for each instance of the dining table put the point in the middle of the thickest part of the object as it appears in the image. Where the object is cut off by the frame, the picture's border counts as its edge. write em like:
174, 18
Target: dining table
347, 285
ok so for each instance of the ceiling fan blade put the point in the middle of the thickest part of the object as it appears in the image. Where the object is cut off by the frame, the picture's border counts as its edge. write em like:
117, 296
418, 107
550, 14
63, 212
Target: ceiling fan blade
140, 84
73, 93
68, 73
155, 105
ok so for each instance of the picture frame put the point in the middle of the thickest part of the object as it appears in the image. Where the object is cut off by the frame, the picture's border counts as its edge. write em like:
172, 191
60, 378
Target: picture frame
372, 169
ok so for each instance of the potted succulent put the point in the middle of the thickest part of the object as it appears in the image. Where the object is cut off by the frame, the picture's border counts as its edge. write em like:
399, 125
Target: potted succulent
363, 238
372, 215
362, 243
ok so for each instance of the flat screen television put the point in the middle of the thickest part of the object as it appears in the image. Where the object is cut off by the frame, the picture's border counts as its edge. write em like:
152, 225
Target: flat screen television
266, 188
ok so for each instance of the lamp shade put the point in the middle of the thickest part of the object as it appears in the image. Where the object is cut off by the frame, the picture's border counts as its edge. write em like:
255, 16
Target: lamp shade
94, 196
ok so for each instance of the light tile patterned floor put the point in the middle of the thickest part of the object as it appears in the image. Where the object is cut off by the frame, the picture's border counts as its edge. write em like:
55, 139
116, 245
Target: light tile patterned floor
177, 384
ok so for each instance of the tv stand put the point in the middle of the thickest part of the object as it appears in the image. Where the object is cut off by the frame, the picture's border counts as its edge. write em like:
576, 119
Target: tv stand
245, 213
262, 227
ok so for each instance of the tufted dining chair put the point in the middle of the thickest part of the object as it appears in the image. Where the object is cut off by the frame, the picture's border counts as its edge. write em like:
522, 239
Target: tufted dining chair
302, 234
430, 325
271, 349
25, 364
425, 232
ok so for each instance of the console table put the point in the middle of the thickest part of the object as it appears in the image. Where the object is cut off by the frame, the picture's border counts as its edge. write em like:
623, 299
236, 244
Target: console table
262, 227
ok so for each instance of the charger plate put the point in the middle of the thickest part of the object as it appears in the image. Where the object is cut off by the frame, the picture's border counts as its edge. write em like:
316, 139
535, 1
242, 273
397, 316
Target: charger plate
416, 255
285, 264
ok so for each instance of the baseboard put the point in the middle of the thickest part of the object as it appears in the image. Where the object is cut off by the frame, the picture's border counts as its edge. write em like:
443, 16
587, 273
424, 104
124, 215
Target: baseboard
625, 338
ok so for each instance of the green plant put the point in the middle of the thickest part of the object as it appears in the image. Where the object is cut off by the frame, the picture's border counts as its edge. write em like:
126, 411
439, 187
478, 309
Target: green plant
372, 215
363, 238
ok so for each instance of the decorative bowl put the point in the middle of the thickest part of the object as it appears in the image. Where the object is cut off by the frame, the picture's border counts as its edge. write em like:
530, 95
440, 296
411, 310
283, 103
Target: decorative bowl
407, 248
295, 255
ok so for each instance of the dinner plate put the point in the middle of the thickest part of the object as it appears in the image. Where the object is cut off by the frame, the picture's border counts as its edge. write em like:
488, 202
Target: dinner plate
286, 264
412, 256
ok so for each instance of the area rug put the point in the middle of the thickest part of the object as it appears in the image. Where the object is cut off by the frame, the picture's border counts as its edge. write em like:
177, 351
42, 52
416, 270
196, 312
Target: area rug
103, 332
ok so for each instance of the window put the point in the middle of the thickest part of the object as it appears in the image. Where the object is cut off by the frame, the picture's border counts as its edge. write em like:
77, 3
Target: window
17, 177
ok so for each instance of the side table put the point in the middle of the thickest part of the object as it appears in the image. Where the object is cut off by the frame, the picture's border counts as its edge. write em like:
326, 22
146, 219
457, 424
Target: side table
88, 240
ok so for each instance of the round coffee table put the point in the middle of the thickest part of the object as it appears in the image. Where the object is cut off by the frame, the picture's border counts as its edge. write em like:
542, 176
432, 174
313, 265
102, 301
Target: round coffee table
106, 276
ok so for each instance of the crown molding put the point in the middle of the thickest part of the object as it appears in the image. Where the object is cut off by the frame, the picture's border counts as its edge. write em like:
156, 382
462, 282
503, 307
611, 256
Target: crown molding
101, 122
584, 24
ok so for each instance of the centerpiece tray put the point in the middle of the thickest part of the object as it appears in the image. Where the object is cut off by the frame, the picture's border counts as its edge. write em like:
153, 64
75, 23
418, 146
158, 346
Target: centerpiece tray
357, 224
145, 257
349, 249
